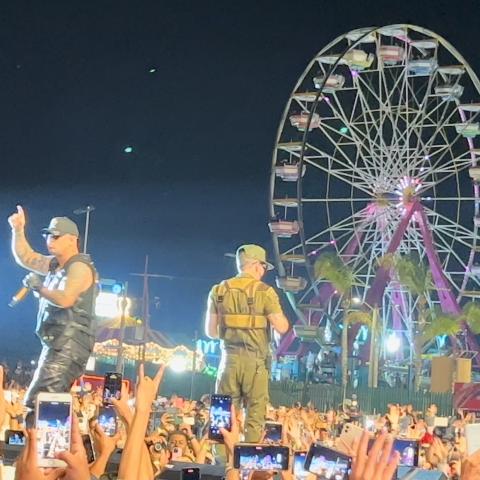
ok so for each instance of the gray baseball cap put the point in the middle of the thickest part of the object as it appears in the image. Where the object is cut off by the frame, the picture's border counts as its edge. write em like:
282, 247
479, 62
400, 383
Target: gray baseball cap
61, 226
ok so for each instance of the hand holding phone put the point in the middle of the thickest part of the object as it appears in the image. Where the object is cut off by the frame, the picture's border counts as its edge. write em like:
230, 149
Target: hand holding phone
260, 457
14, 437
220, 416
112, 387
273, 432
327, 463
53, 416
299, 471
89, 450
107, 419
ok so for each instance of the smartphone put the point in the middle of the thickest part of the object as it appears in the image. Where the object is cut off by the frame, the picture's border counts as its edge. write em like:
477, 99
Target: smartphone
408, 449
190, 474
299, 471
472, 435
220, 416
328, 464
273, 432
53, 419
350, 433
107, 419
370, 423
14, 437
112, 387
87, 443
260, 457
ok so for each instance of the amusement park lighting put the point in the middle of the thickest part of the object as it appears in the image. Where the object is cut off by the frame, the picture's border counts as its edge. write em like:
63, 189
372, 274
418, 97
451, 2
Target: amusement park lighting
356, 300
343, 130
392, 343
178, 363
128, 149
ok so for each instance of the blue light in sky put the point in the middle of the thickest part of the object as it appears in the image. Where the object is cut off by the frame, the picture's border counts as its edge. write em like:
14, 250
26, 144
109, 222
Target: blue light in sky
128, 149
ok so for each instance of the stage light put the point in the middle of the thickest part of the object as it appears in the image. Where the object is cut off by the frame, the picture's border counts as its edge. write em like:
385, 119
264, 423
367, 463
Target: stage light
178, 363
117, 288
109, 305
128, 149
393, 343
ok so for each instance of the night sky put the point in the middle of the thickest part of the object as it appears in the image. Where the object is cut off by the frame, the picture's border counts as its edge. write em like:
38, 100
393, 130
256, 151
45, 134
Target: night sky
77, 87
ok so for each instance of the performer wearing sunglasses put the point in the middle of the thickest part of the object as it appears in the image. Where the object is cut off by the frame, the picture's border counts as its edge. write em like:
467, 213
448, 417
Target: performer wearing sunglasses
65, 283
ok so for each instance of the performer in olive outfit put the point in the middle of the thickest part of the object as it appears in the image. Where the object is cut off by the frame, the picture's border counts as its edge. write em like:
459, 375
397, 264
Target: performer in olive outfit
241, 312
65, 283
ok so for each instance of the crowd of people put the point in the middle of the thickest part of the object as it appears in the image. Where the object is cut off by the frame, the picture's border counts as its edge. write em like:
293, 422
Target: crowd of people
154, 431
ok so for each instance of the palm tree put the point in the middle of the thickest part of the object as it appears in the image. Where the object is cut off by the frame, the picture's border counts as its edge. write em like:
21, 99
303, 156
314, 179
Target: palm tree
330, 266
416, 278
471, 316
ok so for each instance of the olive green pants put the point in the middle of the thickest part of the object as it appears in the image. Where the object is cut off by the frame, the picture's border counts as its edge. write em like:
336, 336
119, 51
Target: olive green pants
245, 378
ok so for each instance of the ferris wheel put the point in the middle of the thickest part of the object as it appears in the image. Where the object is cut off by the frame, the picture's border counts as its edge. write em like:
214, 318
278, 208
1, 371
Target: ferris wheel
375, 155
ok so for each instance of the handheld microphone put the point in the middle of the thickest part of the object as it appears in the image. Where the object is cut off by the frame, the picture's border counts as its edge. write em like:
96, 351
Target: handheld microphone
18, 297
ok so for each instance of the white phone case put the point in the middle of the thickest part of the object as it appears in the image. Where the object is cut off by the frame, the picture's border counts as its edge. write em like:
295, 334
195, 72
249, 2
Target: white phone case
45, 397
350, 432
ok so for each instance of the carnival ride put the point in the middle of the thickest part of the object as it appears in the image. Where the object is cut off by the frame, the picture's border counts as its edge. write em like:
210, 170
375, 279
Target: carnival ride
375, 156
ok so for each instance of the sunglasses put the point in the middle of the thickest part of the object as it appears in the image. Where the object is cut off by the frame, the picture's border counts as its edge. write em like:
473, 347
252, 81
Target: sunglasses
49, 235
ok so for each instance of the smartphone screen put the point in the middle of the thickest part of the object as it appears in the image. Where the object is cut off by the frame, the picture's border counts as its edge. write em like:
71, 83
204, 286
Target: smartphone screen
220, 416
299, 471
54, 428
273, 432
408, 450
14, 437
261, 457
370, 423
112, 387
87, 443
190, 474
327, 464
107, 419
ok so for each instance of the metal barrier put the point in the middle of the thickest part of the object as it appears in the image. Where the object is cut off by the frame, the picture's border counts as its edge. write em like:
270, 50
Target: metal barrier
369, 399
322, 396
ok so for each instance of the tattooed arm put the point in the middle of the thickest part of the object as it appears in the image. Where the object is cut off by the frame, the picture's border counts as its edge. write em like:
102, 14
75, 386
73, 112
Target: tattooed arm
24, 254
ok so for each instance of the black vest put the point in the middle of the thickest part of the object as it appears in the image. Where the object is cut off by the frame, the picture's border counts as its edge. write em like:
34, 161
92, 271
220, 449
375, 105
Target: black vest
56, 324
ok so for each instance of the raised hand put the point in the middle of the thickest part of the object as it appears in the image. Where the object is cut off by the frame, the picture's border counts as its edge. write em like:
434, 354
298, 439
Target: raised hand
147, 388
17, 219
378, 463
27, 464
121, 406
104, 445
76, 459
